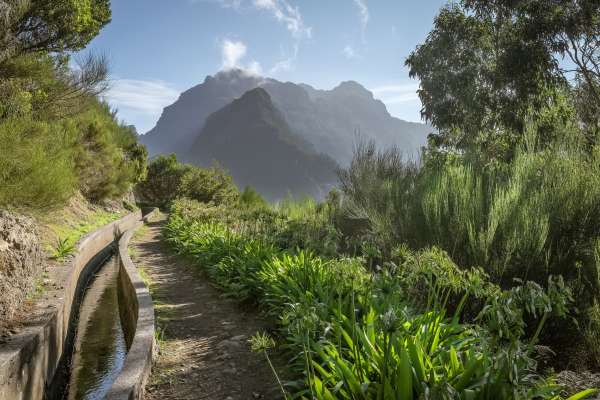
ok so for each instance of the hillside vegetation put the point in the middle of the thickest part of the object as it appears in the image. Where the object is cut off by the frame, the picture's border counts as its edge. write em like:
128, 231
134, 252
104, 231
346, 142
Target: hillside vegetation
56, 137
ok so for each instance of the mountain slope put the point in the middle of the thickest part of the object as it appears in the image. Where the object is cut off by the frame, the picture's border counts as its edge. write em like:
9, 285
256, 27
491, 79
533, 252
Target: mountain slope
181, 122
333, 120
330, 120
252, 140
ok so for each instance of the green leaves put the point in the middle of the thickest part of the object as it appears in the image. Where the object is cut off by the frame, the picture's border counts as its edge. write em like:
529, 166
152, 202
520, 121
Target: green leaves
355, 335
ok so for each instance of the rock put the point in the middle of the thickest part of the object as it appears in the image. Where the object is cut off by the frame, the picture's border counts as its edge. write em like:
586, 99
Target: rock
21, 260
4, 245
229, 345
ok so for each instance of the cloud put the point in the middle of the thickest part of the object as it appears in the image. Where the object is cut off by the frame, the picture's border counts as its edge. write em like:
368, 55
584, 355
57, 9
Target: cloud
396, 94
349, 52
363, 14
233, 53
254, 68
147, 97
282, 66
286, 14
140, 102
235, 4
287, 62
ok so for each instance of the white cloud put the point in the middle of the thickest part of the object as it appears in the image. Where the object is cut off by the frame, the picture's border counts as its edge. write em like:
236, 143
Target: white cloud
233, 54
349, 52
286, 63
282, 66
140, 102
254, 68
235, 4
147, 97
286, 14
396, 94
363, 14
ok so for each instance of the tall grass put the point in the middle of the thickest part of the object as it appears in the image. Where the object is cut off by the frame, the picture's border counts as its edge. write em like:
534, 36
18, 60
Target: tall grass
535, 217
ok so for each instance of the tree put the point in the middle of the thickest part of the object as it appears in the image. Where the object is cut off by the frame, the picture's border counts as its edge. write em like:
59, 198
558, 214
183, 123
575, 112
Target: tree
208, 185
489, 67
49, 26
568, 29
162, 182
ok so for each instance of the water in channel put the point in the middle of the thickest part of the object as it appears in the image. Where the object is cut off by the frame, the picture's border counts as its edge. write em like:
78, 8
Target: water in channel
100, 347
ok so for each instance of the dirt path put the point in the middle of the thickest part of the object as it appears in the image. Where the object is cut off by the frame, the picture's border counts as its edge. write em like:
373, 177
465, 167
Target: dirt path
204, 350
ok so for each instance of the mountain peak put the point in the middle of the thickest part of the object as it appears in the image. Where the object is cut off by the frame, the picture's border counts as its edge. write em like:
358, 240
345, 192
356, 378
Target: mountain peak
256, 95
352, 88
232, 75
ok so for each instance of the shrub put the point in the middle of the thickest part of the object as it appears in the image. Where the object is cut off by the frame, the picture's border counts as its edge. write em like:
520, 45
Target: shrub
208, 185
108, 159
36, 164
250, 198
167, 179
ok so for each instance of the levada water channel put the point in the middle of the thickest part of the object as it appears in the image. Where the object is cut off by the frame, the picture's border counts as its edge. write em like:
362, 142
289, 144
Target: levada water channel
98, 344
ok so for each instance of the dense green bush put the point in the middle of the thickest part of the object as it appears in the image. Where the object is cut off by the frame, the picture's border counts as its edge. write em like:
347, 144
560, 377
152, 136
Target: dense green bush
353, 334
36, 163
536, 216
104, 142
167, 179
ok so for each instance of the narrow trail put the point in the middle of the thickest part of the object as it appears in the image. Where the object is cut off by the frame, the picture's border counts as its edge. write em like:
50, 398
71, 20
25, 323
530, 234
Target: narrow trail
204, 349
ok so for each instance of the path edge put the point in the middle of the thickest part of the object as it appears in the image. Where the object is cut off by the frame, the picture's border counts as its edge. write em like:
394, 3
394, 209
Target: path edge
137, 312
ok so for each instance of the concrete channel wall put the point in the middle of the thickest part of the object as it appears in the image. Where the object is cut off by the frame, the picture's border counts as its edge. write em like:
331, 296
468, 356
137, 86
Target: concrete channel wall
137, 318
30, 360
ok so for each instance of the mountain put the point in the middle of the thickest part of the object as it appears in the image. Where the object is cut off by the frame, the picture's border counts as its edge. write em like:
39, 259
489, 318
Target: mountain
305, 123
252, 140
331, 120
181, 122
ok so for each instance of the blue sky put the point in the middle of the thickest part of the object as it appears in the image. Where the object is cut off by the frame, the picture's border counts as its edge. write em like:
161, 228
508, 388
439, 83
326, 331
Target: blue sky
159, 48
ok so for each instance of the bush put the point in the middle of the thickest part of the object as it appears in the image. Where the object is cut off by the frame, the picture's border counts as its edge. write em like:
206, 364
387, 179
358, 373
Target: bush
167, 179
208, 185
534, 217
251, 199
37, 167
108, 159
57, 137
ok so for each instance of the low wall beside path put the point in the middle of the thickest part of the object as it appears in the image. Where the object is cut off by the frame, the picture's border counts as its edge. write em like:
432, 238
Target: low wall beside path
32, 359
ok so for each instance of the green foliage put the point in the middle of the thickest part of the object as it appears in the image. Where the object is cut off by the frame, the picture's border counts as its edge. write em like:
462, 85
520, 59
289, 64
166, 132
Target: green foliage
64, 247
535, 217
56, 137
359, 335
105, 142
208, 185
52, 26
167, 179
486, 68
250, 198
36, 164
